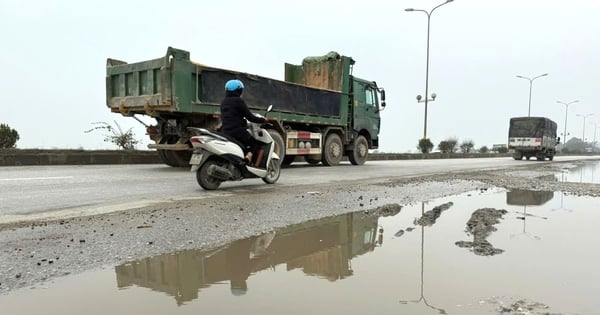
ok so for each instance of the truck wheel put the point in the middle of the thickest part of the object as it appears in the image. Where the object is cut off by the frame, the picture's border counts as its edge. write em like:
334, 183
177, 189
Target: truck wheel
279, 145
204, 180
358, 155
273, 172
333, 150
162, 155
181, 158
313, 159
551, 157
288, 159
518, 156
174, 158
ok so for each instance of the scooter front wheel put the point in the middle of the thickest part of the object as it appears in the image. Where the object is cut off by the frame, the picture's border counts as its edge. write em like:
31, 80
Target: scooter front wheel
206, 181
273, 172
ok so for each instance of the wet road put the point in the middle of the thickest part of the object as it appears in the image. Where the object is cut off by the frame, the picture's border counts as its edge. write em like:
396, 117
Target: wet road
425, 258
56, 191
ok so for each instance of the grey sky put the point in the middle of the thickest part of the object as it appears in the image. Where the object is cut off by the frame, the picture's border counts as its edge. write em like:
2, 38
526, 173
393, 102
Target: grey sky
52, 61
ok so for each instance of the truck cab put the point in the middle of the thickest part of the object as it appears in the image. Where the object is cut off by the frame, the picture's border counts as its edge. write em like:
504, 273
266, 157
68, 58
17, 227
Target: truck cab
365, 110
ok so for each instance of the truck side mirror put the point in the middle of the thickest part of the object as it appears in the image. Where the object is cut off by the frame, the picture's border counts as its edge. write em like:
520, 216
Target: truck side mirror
383, 97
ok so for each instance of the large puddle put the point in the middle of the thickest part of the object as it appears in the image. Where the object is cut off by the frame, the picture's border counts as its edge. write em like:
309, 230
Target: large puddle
587, 172
489, 251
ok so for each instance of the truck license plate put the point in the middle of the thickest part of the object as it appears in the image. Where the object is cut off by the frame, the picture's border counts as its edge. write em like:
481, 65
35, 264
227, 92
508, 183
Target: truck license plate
196, 158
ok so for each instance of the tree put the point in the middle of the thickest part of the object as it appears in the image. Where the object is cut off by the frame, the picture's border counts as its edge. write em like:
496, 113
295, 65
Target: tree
574, 145
444, 146
467, 146
503, 149
425, 145
452, 144
8, 137
448, 145
124, 140
484, 149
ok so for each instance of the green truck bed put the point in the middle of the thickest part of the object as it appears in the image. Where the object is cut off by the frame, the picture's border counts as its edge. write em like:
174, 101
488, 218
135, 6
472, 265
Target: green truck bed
316, 92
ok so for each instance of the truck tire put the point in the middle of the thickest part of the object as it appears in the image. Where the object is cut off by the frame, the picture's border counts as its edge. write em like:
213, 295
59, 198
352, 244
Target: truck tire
288, 159
360, 151
174, 158
313, 159
518, 156
279, 145
166, 159
333, 150
540, 157
181, 158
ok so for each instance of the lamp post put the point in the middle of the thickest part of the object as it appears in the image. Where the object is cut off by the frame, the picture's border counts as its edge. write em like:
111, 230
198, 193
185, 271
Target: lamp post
530, 86
427, 63
566, 111
584, 117
595, 127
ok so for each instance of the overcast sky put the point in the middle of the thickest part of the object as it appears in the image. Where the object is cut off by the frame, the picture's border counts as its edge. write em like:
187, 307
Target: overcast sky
53, 57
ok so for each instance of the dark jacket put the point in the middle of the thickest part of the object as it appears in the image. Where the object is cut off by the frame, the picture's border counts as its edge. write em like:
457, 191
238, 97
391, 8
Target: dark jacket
233, 112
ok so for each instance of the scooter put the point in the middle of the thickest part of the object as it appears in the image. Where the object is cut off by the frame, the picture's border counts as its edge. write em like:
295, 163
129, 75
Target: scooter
217, 158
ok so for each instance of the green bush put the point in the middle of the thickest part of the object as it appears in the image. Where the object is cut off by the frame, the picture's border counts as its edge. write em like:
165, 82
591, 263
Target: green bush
425, 145
8, 137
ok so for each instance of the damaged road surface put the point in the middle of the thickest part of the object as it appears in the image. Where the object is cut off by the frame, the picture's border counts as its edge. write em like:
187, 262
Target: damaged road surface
506, 241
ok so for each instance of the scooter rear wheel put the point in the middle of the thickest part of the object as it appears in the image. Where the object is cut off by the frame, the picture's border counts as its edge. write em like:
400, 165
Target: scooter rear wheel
204, 180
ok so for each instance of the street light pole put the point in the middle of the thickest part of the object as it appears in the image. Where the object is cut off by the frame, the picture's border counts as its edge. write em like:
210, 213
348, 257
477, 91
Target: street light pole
584, 117
595, 127
530, 87
427, 63
566, 111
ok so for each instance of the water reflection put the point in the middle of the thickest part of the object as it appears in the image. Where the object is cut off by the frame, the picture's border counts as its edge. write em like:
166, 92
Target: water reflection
425, 221
587, 172
322, 248
526, 198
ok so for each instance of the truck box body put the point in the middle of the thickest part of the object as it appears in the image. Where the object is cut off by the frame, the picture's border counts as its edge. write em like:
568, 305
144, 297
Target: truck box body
532, 136
317, 96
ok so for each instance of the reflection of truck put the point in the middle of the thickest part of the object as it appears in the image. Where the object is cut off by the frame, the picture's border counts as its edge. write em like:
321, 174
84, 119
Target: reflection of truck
322, 248
532, 136
321, 111
522, 197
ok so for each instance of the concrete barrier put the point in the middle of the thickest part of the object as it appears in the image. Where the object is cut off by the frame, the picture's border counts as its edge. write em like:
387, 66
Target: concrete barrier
15, 157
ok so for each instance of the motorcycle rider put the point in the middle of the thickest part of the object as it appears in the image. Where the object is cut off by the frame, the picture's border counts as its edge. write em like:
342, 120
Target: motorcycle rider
233, 112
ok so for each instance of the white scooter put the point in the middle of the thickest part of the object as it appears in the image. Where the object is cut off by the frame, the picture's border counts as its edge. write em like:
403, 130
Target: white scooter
216, 158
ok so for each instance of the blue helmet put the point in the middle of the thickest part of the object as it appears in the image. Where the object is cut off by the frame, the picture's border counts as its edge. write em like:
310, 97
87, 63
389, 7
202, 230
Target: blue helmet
233, 85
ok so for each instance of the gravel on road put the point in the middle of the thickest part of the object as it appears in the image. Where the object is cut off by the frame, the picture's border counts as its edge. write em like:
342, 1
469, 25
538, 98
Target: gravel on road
32, 253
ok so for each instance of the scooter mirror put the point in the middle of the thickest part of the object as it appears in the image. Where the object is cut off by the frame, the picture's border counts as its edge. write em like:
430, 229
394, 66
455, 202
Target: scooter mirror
269, 108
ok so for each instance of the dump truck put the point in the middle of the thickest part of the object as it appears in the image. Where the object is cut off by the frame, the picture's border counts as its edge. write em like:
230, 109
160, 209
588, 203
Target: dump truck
532, 137
321, 111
